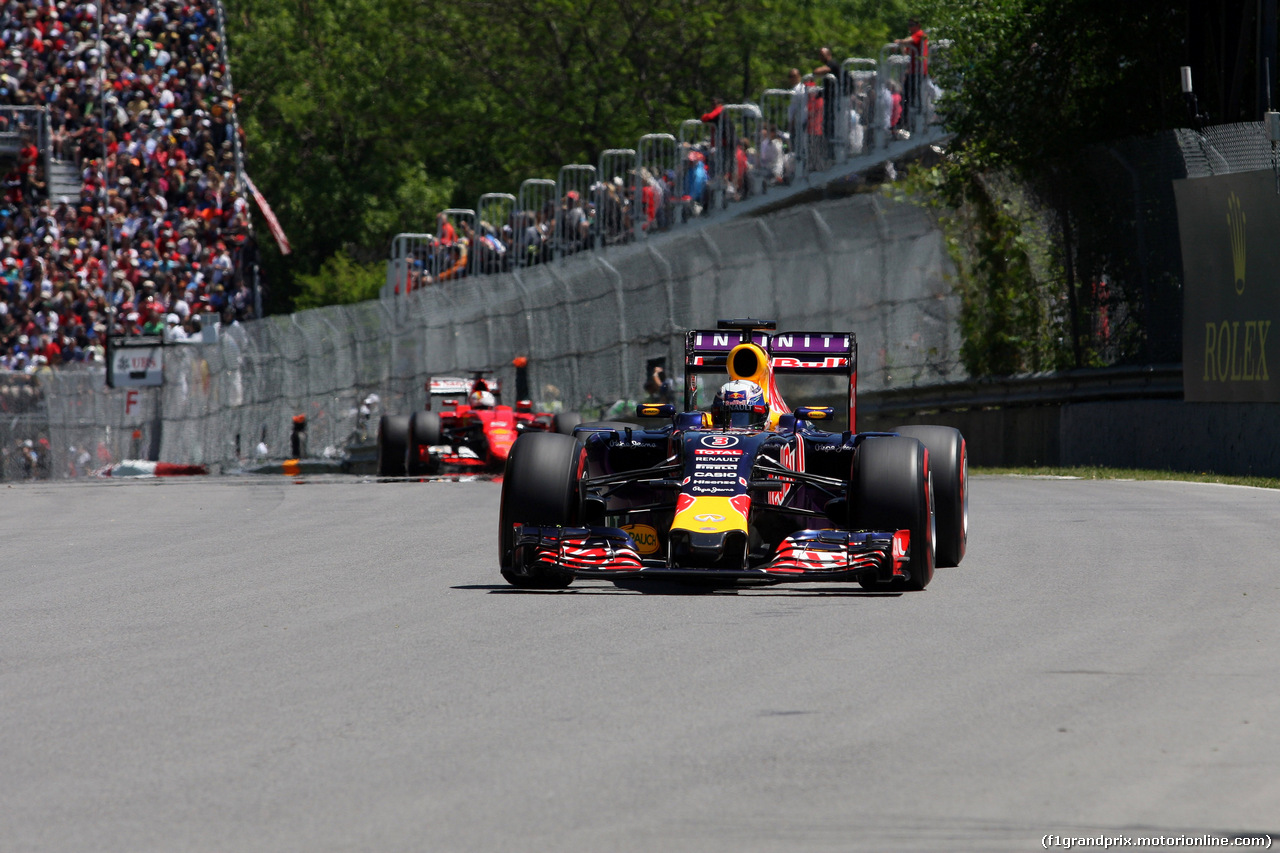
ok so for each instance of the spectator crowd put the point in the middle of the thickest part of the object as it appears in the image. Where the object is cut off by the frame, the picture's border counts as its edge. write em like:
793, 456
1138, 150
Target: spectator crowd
736, 154
155, 238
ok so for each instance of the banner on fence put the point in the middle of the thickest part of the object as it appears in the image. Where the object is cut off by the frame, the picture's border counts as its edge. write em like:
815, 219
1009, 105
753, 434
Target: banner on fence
1230, 261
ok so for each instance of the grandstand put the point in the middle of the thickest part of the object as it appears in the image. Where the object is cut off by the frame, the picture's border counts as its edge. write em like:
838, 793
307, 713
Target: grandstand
123, 209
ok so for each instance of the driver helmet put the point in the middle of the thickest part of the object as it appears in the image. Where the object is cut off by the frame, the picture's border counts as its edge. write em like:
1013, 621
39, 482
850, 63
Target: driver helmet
741, 404
482, 400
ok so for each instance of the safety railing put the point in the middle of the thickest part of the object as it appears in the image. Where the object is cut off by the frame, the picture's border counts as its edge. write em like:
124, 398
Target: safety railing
451, 258
490, 248
537, 216
409, 256
655, 182
858, 86
19, 124
903, 74
573, 223
616, 172
860, 110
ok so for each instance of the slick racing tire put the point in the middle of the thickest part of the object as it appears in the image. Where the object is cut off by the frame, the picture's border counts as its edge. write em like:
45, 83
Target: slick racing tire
949, 464
564, 422
424, 431
540, 487
890, 490
603, 425
393, 434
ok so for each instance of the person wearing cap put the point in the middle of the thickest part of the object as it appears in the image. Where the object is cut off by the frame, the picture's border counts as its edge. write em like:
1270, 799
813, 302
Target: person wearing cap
574, 226
173, 331
695, 180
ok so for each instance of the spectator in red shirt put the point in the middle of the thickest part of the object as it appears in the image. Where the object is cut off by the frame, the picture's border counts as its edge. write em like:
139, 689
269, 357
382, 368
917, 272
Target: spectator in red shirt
916, 45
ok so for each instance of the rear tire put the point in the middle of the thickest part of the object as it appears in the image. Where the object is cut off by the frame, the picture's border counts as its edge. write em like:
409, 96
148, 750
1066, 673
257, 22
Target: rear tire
393, 435
891, 490
424, 431
949, 464
540, 487
564, 422
615, 425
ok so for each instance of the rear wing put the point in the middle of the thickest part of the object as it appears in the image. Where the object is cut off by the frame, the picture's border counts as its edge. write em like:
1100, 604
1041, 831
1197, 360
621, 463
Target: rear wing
800, 353
460, 387
448, 386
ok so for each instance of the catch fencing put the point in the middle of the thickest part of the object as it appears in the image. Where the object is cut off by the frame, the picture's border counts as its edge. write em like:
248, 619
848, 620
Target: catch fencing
589, 327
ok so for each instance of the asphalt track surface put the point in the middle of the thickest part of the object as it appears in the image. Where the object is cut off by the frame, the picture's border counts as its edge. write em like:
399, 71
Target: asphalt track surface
271, 665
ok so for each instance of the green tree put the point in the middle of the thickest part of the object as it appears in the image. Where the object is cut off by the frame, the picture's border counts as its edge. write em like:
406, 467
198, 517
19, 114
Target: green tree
335, 99
1033, 87
364, 117
340, 281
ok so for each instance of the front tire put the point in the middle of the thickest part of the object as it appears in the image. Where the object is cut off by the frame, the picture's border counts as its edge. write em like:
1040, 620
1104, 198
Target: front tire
540, 487
949, 464
424, 431
393, 435
891, 490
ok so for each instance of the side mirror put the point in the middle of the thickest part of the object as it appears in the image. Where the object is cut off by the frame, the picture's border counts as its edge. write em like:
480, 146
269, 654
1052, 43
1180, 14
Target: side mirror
693, 420
656, 410
815, 413
524, 405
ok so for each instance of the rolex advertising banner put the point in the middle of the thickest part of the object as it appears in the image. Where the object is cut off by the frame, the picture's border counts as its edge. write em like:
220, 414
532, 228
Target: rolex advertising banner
1230, 230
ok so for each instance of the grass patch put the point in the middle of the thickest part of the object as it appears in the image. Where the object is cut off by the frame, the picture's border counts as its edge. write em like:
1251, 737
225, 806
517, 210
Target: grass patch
1088, 472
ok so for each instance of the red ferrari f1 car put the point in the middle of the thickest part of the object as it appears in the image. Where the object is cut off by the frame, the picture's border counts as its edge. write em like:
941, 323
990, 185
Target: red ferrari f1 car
472, 431
749, 491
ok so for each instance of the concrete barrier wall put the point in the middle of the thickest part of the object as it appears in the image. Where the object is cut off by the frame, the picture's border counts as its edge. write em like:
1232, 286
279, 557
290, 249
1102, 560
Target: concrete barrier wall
1171, 435
587, 325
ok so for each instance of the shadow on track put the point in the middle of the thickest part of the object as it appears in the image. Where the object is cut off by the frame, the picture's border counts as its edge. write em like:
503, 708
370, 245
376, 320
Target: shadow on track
655, 587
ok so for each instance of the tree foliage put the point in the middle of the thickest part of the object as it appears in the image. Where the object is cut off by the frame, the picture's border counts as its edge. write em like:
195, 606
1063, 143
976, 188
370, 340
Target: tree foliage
1036, 91
363, 117
339, 281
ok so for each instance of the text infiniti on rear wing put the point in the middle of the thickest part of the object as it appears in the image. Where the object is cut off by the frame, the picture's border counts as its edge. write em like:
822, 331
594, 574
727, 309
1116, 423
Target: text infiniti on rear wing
800, 353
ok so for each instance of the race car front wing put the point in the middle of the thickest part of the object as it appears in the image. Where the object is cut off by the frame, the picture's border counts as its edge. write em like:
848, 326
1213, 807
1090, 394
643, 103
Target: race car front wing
808, 555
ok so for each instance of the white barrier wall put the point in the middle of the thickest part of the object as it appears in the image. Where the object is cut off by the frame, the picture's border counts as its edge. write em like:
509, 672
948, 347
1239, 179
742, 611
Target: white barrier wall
876, 267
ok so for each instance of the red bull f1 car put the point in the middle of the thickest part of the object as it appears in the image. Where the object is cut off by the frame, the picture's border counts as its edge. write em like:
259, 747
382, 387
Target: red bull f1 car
752, 491
471, 432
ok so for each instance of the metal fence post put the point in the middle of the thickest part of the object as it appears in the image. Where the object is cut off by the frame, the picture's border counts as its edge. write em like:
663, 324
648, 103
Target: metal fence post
656, 156
572, 224
859, 76
496, 211
694, 141
612, 205
536, 194
465, 217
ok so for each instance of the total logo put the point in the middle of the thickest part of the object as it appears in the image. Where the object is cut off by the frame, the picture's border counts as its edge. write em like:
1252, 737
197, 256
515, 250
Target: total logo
719, 440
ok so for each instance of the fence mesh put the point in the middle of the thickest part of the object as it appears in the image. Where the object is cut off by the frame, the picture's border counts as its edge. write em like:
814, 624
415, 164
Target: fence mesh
1225, 149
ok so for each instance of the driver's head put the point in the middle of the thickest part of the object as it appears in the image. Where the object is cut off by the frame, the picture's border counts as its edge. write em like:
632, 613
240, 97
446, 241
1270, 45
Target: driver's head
742, 404
482, 400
